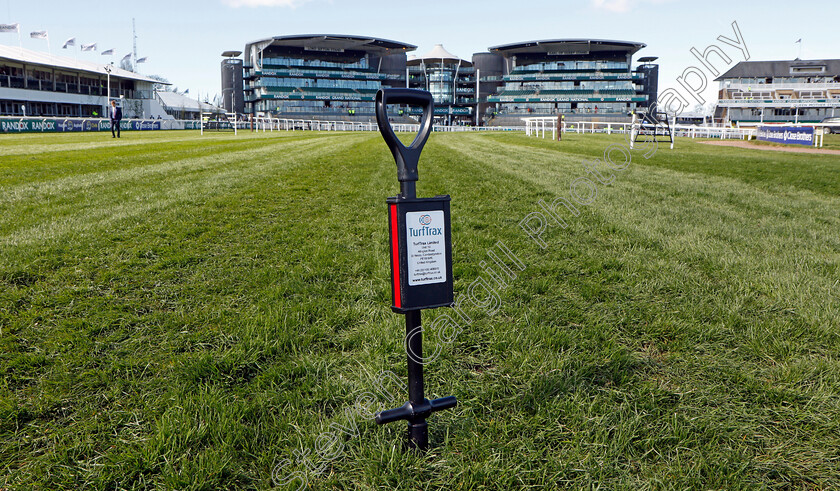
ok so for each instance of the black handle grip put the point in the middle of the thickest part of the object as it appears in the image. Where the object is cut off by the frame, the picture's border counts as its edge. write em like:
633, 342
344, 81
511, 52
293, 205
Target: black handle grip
443, 403
403, 412
407, 157
422, 410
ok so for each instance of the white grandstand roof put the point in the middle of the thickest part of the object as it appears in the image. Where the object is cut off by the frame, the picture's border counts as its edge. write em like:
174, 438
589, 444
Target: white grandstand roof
173, 100
439, 53
23, 55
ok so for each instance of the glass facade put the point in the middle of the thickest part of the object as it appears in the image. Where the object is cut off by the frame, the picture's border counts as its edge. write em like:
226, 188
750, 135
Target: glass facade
452, 85
585, 65
288, 61
305, 75
547, 87
297, 80
440, 83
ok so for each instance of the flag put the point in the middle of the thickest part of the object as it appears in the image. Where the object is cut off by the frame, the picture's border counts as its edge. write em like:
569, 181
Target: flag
142, 60
126, 58
89, 47
10, 27
108, 52
38, 35
69, 42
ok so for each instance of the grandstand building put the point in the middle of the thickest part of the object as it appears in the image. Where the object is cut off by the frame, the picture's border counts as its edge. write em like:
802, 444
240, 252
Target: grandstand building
39, 84
320, 75
451, 82
798, 91
327, 76
581, 78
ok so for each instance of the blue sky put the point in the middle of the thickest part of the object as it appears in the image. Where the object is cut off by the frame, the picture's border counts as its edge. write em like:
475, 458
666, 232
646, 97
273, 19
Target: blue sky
184, 39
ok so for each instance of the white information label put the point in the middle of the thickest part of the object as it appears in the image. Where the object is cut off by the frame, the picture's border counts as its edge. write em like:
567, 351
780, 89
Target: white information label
426, 234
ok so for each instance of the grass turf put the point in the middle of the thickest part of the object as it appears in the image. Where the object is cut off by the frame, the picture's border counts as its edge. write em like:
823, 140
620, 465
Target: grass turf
193, 312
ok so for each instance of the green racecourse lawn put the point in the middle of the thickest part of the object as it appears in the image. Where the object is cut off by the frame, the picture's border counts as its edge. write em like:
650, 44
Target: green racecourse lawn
185, 312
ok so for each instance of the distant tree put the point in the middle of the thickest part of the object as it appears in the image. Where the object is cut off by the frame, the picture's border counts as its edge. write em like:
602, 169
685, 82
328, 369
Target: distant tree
126, 65
705, 110
161, 87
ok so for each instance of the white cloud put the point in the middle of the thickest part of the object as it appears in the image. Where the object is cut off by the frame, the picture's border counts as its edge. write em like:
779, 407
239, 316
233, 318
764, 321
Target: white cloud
264, 3
612, 5
621, 6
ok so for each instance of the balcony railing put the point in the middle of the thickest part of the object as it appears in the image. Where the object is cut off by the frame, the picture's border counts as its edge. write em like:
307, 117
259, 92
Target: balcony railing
834, 102
11, 81
313, 73
70, 88
781, 86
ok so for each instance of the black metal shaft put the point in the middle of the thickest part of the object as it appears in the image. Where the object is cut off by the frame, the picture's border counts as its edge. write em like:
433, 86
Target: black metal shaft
418, 429
418, 408
408, 189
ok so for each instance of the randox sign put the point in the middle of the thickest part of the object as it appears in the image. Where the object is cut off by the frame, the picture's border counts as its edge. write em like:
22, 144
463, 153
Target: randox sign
43, 125
791, 135
421, 258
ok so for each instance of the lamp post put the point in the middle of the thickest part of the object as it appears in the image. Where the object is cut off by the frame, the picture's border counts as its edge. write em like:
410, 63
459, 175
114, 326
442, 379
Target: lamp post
477, 96
108, 69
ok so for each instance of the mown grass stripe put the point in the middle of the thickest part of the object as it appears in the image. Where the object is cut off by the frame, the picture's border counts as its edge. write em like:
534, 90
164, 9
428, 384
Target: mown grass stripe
681, 333
89, 203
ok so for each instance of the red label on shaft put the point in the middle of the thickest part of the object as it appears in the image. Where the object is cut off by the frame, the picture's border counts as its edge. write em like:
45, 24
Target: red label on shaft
395, 256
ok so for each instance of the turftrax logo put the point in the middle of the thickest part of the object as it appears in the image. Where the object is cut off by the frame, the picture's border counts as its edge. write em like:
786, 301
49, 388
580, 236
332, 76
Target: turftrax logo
425, 230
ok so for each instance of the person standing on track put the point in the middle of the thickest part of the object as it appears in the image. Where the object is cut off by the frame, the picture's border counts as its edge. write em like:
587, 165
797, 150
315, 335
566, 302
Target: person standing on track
116, 116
